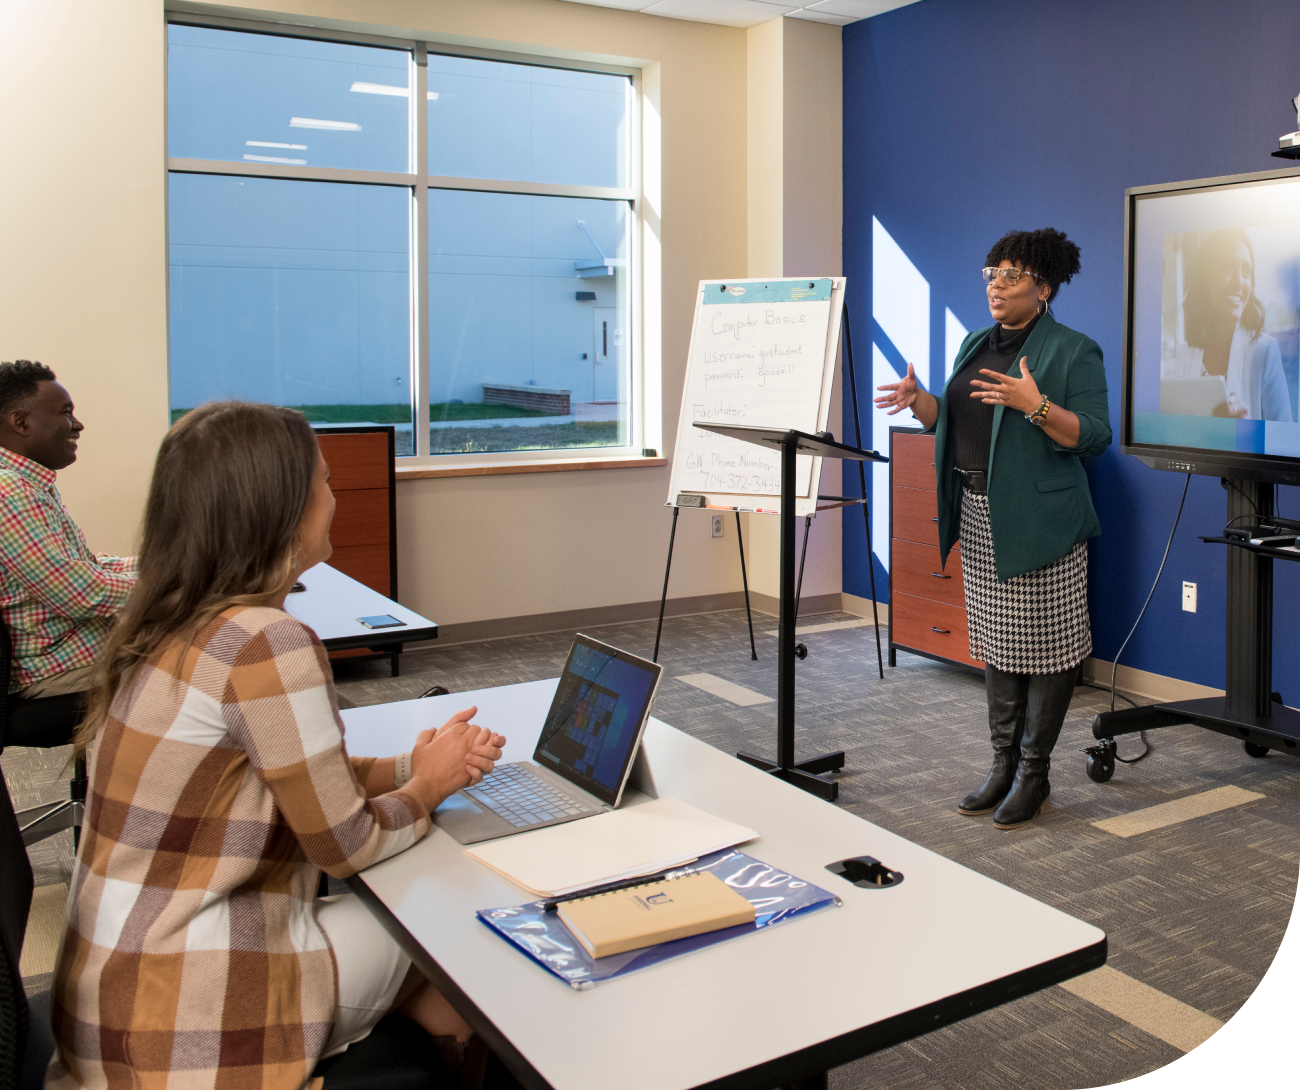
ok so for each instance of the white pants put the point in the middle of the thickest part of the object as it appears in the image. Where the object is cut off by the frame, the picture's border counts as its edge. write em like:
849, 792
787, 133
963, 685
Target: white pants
371, 968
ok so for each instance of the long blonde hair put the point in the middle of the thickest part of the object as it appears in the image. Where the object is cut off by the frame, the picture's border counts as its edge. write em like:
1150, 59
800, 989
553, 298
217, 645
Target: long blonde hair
229, 489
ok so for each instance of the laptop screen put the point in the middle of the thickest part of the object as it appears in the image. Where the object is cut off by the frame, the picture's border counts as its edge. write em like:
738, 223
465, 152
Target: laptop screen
595, 719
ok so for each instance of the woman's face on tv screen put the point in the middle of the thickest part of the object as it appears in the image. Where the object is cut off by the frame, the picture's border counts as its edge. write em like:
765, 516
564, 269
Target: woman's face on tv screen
1232, 281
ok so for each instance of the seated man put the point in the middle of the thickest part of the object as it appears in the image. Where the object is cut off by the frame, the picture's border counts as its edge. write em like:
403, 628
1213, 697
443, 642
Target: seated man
56, 596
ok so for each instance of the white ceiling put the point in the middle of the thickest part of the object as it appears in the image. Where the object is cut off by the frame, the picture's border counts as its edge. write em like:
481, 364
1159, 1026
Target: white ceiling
747, 13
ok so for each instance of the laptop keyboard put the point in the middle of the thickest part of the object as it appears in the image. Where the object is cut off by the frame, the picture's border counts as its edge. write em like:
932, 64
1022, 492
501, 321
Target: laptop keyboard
522, 798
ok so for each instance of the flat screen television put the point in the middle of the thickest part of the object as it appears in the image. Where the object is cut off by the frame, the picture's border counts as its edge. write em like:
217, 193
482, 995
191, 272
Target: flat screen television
1212, 326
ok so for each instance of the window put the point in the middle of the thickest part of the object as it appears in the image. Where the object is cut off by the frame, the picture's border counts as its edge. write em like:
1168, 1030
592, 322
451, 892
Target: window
483, 304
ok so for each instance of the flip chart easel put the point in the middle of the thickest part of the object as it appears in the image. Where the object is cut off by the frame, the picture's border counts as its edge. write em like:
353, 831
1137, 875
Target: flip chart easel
762, 353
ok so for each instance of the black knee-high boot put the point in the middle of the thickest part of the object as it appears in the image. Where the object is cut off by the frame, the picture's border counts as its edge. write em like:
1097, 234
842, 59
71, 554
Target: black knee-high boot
1007, 696
1049, 700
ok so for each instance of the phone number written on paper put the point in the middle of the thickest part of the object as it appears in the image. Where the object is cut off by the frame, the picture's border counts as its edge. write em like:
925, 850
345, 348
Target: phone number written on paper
740, 482
727, 473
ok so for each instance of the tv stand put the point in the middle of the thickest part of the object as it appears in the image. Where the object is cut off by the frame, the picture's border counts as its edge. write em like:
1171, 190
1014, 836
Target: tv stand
1249, 709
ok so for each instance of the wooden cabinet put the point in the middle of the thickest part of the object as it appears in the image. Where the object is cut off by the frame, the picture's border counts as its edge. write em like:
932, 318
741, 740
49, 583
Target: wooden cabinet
362, 476
927, 605
364, 532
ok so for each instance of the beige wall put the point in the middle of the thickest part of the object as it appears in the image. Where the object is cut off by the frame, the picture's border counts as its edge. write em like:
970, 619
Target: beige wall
84, 278
795, 226
83, 235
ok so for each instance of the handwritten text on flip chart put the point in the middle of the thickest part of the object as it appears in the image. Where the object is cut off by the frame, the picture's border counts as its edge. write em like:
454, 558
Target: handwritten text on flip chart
752, 363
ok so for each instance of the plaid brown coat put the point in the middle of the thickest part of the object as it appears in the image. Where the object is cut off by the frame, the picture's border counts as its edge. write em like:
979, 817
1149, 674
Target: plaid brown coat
220, 789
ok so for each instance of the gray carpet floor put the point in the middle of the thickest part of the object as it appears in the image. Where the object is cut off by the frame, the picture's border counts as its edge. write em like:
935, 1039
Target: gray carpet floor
1195, 910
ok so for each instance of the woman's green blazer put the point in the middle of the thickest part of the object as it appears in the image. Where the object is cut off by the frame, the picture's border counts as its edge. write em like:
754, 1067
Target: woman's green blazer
1039, 503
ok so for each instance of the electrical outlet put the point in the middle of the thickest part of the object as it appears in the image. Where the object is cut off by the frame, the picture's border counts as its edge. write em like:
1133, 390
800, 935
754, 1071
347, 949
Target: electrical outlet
717, 525
1189, 597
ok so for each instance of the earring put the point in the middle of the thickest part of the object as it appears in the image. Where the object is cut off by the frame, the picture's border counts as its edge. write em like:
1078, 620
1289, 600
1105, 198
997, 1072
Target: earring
1044, 307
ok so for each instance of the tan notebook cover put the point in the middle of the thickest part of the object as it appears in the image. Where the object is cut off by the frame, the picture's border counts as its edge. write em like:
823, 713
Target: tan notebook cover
628, 919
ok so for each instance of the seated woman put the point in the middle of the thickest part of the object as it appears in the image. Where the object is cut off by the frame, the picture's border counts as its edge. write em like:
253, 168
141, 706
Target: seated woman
196, 951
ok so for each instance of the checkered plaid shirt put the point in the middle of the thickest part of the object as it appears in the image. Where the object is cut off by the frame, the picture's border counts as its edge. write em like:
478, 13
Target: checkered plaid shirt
220, 788
57, 597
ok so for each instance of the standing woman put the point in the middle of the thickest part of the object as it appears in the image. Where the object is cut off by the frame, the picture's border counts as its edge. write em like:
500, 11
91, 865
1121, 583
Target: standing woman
1026, 402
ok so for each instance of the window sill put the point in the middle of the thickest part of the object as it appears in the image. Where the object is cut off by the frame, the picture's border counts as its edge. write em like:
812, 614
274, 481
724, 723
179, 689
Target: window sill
496, 469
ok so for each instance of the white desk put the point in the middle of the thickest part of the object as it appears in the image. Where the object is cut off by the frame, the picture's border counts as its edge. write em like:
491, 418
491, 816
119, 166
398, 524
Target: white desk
332, 603
779, 1007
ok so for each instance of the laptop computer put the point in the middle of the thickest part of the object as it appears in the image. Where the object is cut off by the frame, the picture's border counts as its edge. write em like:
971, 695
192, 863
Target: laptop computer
588, 751
1193, 396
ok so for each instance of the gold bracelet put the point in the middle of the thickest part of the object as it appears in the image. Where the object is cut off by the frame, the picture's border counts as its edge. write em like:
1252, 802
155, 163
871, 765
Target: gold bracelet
1039, 416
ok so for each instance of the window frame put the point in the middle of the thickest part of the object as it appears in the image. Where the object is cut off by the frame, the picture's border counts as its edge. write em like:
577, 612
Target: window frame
418, 182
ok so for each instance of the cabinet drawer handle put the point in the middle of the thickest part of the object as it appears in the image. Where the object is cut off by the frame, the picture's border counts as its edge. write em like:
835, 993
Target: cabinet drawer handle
941, 631
940, 575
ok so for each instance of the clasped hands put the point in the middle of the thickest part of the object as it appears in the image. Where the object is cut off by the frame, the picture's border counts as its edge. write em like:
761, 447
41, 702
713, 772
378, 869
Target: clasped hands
458, 754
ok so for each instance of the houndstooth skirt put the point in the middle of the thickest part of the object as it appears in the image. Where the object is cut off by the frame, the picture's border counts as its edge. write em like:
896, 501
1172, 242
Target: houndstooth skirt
1036, 623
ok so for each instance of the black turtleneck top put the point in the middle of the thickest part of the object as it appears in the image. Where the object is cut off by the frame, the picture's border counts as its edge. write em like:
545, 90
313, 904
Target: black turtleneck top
970, 421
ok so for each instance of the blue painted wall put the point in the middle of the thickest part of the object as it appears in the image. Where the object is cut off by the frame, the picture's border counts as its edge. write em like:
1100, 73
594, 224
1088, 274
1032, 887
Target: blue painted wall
964, 119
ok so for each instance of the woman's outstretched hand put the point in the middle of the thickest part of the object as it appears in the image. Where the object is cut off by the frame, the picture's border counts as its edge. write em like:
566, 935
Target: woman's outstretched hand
1020, 393
898, 396
907, 394
458, 754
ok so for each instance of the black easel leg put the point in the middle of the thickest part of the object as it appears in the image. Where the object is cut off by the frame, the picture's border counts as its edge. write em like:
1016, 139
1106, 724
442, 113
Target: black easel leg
803, 555
663, 598
862, 481
744, 579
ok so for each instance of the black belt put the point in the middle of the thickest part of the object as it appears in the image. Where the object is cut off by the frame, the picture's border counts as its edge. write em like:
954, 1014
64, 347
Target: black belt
977, 480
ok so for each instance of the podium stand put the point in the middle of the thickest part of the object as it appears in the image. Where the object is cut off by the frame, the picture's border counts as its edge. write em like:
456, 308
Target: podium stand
804, 774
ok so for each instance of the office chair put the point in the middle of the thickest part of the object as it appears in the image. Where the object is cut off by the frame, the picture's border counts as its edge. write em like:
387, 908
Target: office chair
26, 1040
45, 724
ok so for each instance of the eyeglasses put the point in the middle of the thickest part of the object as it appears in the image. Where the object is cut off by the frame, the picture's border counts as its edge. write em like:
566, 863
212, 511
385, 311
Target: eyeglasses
1008, 276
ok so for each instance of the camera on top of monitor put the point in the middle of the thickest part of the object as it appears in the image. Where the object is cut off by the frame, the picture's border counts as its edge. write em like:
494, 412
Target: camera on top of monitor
1288, 146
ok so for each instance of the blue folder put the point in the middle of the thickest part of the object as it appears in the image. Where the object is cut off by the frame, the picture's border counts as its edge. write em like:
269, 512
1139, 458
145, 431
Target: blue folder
775, 895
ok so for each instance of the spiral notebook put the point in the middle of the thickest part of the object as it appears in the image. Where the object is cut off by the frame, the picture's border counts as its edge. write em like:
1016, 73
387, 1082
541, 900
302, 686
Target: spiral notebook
659, 911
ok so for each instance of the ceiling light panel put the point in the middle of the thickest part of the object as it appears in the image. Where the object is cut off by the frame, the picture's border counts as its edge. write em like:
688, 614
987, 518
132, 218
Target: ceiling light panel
813, 16
362, 88
321, 123
857, 9
737, 13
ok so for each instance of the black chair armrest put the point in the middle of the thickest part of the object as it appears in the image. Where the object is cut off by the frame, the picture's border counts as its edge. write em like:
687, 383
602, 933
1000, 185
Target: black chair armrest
45, 723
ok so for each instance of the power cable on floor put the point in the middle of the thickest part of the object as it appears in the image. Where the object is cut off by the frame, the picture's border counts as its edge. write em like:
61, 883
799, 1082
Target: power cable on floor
1146, 750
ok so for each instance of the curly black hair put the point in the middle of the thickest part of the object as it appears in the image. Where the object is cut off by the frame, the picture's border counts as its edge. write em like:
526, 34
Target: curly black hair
1047, 252
18, 382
